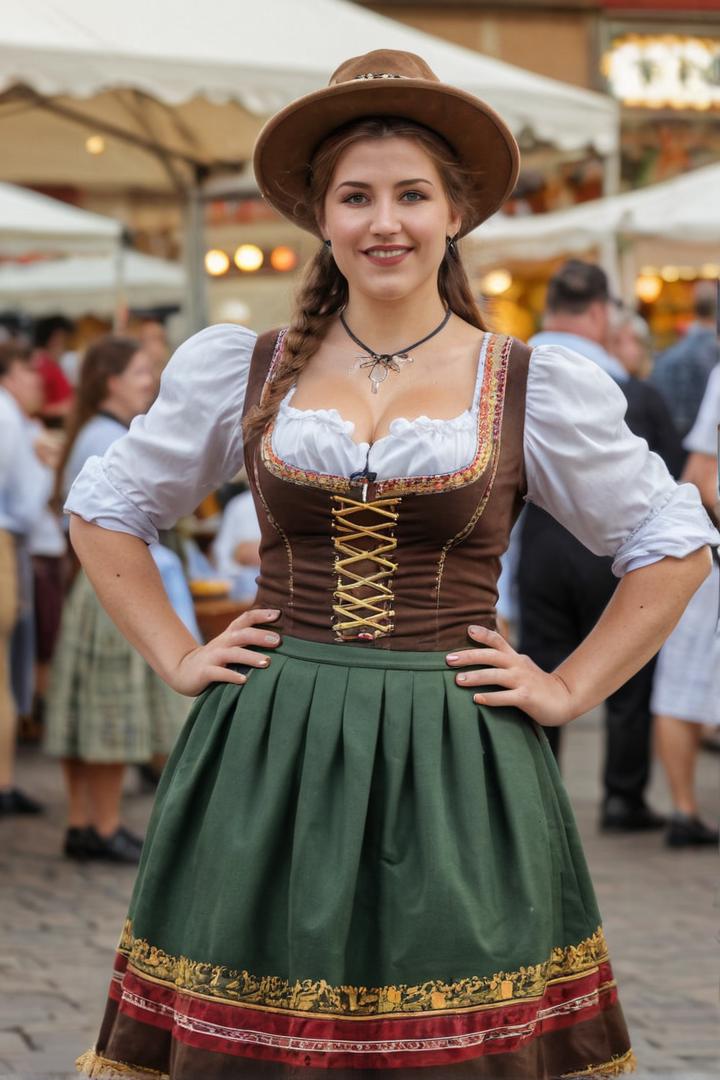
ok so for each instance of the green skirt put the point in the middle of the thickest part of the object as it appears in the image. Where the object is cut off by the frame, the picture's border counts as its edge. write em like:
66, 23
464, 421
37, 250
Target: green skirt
352, 868
105, 704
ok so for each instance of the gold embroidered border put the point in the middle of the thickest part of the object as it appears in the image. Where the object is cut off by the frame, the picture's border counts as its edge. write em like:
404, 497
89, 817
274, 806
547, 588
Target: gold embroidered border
317, 996
96, 1066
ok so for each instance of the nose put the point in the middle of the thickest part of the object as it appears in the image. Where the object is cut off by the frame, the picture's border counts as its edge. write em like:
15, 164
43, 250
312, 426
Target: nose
385, 219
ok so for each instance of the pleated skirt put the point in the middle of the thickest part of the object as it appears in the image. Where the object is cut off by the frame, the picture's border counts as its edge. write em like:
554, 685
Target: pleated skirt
351, 870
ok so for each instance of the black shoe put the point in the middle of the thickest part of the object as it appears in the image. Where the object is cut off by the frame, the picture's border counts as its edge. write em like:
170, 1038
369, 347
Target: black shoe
122, 846
686, 830
622, 815
79, 843
15, 801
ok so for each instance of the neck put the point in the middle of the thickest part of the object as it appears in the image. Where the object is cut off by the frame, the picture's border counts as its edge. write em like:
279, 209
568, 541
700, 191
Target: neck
115, 408
389, 325
571, 324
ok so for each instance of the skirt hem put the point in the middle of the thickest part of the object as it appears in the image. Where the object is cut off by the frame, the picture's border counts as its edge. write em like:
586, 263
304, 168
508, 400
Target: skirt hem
93, 1065
98, 1067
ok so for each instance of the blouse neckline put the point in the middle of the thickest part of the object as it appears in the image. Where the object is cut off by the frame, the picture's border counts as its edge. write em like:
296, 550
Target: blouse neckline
335, 420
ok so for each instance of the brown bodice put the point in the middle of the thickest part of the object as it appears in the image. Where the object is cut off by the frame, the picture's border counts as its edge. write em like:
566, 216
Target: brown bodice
400, 564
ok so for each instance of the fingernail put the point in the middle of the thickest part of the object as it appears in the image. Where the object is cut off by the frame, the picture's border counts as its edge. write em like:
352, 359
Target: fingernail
479, 699
264, 662
461, 678
475, 629
271, 638
452, 656
272, 613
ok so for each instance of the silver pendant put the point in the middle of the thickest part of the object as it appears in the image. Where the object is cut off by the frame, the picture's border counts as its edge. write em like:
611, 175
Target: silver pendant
380, 366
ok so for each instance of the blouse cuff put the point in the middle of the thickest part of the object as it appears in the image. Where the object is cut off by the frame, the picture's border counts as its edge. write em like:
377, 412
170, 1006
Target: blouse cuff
95, 499
679, 526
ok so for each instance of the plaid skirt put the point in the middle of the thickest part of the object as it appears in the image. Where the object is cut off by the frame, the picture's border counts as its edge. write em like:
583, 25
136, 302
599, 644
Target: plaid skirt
105, 704
687, 675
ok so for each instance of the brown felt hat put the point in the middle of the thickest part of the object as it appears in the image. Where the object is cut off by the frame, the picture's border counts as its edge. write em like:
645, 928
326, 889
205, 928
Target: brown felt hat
385, 83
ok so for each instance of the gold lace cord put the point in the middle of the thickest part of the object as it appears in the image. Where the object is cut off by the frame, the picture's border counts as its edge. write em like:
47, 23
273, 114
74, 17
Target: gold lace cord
370, 616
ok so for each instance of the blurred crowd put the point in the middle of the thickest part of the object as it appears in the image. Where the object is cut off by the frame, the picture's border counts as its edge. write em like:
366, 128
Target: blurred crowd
70, 680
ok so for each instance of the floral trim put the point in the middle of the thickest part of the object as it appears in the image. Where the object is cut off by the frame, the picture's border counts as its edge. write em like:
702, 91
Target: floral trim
309, 996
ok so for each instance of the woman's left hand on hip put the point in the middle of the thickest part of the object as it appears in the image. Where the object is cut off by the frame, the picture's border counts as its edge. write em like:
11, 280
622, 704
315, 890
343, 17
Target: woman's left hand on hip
543, 696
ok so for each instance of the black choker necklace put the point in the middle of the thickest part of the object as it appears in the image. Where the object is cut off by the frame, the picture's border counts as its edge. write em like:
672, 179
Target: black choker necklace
381, 364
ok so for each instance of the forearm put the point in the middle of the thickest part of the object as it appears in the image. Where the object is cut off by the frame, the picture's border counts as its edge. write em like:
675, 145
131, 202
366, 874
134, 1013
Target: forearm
128, 584
644, 609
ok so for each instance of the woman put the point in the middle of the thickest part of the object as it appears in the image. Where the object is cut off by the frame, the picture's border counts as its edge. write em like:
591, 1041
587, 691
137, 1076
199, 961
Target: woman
686, 690
106, 707
362, 858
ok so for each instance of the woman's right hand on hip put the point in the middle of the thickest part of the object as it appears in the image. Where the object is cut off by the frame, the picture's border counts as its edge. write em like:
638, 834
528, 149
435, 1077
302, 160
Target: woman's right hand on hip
208, 663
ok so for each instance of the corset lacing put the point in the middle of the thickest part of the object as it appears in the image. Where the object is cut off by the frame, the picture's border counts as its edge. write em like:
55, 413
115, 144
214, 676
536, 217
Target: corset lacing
363, 617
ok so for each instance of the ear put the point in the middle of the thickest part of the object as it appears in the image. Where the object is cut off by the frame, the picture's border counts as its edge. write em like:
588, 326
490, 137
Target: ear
454, 224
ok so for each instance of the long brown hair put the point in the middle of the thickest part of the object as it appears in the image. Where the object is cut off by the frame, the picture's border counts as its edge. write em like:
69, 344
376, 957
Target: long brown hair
323, 291
108, 356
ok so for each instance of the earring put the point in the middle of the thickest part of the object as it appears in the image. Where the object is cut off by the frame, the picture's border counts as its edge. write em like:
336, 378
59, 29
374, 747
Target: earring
327, 243
452, 246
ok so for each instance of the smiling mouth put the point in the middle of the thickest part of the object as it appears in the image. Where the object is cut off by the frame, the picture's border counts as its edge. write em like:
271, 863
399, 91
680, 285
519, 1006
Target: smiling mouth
386, 252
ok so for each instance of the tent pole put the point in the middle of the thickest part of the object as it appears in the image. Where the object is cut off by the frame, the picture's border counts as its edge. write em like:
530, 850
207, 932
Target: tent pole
120, 314
611, 173
196, 316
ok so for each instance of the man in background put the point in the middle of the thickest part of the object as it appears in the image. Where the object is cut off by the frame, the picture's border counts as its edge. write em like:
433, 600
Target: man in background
562, 587
681, 373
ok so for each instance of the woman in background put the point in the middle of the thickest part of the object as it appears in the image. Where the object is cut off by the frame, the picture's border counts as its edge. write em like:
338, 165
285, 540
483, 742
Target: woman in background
106, 707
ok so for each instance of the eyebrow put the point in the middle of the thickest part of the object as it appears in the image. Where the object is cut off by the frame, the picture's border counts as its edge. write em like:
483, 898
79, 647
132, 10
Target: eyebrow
400, 183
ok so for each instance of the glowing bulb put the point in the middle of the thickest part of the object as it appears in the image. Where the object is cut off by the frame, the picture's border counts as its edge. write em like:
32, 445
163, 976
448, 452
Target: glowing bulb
95, 144
647, 288
710, 270
687, 273
670, 273
496, 282
249, 258
283, 259
217, 262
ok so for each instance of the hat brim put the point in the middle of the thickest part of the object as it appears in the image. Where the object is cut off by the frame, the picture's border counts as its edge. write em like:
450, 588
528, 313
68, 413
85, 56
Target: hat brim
483, 143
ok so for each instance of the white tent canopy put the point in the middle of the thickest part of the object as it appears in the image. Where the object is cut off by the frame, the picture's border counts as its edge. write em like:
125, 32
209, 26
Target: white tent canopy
158, 73
678, 215
83, 285
34, 224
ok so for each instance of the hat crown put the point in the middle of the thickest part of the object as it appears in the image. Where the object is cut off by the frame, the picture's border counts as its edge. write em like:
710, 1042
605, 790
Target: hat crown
383, 64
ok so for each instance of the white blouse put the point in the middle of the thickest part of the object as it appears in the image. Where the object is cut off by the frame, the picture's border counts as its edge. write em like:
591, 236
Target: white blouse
582, 463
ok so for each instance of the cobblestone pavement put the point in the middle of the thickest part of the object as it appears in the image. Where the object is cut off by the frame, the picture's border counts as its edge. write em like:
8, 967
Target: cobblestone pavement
59, 923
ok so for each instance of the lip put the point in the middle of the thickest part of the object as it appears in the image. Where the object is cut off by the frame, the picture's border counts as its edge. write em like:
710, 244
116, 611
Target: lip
386, 260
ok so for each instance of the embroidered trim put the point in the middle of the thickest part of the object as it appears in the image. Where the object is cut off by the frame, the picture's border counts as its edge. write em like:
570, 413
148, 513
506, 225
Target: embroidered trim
283, 536
95, 1065
317, 996
488, 428
363, 602
492, 436
616, 1067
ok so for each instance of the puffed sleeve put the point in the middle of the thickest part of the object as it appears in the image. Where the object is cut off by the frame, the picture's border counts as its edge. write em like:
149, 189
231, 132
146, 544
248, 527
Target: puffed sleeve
188, 443
586, 468
703, 436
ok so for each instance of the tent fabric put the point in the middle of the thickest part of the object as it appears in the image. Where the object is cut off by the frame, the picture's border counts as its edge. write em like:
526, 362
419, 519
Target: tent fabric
87, 285
31, 223
259, 57
685, 209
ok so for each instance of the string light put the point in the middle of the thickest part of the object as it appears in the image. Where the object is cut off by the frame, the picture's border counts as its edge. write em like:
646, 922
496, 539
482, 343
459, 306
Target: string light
496, 282
283, 259
248, 258
648, 287
217, 262
95, 144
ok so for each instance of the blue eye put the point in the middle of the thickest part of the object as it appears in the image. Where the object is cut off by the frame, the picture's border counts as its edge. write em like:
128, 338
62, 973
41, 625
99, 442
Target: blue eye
351, 199
413, 196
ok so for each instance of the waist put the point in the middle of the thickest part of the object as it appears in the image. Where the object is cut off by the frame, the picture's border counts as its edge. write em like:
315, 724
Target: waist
346, 654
